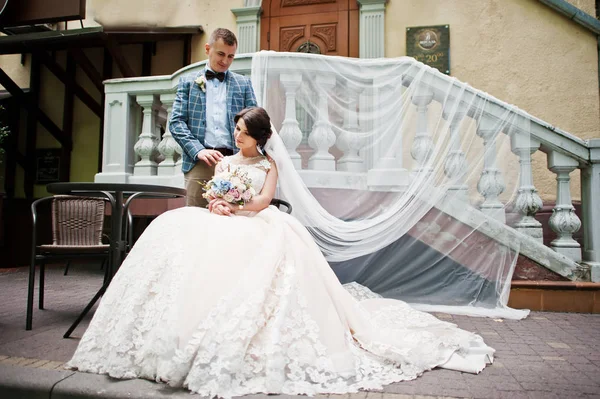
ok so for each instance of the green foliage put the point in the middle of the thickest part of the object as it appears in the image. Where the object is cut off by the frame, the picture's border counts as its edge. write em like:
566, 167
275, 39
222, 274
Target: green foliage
4, 130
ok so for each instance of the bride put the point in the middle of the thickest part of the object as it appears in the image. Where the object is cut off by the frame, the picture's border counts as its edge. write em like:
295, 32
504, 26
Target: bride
227, 301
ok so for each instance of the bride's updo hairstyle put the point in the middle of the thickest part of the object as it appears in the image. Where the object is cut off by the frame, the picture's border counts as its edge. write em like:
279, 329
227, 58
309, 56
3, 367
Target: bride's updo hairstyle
258, 124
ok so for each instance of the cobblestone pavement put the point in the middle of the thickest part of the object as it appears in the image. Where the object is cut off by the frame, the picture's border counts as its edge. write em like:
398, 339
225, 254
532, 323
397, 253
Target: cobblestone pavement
547, 355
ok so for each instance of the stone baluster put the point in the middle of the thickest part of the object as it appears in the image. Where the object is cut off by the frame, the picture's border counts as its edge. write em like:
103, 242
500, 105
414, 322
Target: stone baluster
321, 137
349, 140
422, 146
168, 147
491, 183
160, 124
528, 201
564, 221
455, 166
146, 145
290, 131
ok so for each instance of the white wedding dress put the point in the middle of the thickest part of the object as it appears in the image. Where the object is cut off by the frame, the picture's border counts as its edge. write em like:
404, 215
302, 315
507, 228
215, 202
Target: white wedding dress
245, 304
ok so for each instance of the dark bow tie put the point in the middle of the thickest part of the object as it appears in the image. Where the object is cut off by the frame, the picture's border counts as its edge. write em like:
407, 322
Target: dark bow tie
211, 75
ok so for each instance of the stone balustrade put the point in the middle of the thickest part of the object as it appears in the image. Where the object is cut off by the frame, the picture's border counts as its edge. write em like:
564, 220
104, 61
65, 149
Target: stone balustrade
139, 148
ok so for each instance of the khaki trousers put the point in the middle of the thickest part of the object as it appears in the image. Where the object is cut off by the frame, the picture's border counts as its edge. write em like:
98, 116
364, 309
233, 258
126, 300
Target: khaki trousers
194, 181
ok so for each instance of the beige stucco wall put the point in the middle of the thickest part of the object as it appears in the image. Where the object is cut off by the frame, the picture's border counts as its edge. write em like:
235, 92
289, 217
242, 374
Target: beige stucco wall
11, 64
211, 14
588, 6
521, 52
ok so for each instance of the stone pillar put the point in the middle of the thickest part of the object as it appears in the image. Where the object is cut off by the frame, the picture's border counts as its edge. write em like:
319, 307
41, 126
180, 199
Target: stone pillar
422, 146
564, 221
350, 140
387, 172
290, 129
117, 156
372, 28
322, 137
168, 145
147, 143
248, 27
590, 201
528, 201
491, 183
455, 166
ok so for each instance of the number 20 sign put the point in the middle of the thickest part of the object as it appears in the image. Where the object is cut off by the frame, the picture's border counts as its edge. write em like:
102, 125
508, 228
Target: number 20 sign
430, 45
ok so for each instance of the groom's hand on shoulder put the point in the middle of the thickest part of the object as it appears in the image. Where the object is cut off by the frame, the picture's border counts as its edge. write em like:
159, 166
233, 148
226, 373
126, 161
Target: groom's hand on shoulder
210, 157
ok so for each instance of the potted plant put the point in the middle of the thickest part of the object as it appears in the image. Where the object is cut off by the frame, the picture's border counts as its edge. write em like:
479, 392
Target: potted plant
4, 133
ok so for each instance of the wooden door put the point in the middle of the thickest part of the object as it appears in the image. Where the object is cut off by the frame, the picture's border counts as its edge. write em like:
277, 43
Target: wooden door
318, 26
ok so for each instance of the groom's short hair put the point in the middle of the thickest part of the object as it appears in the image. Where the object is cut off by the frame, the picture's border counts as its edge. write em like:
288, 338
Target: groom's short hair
225, 34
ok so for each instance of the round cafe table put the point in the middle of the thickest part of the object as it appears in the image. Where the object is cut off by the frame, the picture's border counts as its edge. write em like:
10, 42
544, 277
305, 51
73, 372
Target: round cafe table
120, 196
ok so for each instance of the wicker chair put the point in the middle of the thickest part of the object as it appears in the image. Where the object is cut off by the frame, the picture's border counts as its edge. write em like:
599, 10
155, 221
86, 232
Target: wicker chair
77, 224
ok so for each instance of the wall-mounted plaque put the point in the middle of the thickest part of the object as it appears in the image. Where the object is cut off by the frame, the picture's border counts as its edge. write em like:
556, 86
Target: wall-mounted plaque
47, 165
430, 45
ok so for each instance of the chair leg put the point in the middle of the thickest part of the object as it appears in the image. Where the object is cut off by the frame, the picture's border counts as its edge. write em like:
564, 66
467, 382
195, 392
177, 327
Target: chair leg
67, 267
30, 293
106, 270
102, 264
42, 278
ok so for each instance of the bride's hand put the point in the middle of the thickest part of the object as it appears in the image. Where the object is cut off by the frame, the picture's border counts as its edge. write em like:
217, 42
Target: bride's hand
221, 207
213, 201
220, 210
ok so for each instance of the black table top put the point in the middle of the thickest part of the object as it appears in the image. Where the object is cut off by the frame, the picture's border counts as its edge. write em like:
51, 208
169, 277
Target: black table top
126, 188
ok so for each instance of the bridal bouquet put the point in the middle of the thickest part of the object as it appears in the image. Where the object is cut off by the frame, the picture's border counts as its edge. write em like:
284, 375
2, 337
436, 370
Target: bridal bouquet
231, 185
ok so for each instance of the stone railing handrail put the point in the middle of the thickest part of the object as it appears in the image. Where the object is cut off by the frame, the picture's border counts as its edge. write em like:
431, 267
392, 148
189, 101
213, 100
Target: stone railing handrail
167, 83
552, 138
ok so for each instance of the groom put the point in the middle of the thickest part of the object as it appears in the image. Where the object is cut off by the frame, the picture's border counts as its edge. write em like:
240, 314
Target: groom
202, 117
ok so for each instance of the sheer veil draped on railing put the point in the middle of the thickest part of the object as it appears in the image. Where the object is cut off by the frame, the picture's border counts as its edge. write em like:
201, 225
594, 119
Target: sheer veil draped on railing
411, 173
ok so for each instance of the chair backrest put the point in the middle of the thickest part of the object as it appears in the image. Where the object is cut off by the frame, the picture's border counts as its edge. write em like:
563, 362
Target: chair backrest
77, 220
279, 203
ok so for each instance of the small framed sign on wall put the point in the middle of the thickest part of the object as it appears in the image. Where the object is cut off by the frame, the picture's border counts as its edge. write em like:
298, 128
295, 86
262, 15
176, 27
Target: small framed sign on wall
47, 165
430, 45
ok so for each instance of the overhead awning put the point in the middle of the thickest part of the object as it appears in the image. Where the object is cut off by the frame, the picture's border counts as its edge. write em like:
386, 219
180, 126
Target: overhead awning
55, 40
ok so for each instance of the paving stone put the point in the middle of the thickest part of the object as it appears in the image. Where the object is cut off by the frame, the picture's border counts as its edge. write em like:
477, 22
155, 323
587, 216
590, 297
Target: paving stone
545, 355
553, 358
557, 345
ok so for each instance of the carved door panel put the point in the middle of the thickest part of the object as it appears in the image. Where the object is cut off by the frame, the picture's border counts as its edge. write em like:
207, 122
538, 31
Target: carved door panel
317, 26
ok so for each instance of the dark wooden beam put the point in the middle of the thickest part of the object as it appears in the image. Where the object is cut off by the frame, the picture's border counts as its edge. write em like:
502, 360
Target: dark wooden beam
69, 80
32, 121
88, 68
12, 154
30, 103
20, 159
119, 57
68, 109
137, 38
147, 49
107, 66
187, 51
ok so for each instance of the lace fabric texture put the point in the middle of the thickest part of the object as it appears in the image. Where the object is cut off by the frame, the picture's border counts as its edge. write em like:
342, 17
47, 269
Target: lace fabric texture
245, 304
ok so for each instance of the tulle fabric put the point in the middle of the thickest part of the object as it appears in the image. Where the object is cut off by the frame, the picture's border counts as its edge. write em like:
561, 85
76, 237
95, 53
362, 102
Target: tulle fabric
245, 304
402, 175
